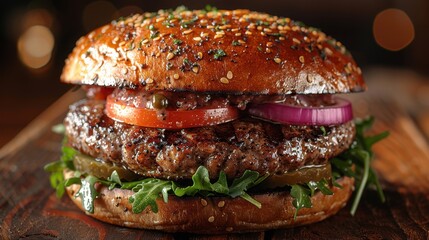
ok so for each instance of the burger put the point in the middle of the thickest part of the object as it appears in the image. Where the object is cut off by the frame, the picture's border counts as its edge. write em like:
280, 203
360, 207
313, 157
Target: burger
212, 121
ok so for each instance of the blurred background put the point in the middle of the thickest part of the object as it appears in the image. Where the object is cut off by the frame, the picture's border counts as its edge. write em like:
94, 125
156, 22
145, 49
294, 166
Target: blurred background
36, 36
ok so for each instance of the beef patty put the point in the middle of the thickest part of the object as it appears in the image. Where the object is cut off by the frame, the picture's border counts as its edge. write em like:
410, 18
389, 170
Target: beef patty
232, 147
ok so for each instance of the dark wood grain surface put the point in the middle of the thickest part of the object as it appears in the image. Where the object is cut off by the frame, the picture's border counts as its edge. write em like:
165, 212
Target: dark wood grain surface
29, 208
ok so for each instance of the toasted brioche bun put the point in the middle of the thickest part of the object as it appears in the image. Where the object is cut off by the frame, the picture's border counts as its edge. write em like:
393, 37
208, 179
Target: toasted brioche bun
264, 55
215, 215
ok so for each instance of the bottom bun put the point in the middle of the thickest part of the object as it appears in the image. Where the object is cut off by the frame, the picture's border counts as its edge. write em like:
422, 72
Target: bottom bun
215, 215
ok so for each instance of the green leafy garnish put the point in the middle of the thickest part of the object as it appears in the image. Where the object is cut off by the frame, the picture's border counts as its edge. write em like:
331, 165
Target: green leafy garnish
355, 162
147, 192
88, 193
56, 170
301, 197
219, 54
359, 155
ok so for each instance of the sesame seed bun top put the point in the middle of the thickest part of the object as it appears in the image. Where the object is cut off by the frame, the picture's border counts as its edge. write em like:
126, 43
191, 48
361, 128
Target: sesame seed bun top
236, 51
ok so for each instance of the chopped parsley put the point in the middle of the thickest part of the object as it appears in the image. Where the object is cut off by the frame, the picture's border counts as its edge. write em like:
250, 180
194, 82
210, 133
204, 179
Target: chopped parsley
218, 54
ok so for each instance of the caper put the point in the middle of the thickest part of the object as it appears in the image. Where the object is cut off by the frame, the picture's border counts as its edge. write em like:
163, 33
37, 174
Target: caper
159, 101
88, 165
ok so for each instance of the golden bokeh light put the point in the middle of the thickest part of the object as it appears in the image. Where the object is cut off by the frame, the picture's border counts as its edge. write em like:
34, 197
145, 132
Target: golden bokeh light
35, 46
393, 29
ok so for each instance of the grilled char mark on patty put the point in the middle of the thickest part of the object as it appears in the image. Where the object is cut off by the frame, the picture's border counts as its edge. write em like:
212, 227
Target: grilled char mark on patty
232, 147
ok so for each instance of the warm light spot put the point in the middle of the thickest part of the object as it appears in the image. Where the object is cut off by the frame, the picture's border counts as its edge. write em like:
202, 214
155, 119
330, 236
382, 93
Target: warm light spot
127, 11
97, 14
35, 46
393, 29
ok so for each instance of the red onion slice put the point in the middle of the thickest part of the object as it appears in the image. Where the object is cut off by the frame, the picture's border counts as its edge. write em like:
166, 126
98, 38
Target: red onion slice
338, 113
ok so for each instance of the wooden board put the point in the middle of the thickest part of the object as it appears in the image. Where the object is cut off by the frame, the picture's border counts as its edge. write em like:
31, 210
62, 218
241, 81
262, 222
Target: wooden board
29, 208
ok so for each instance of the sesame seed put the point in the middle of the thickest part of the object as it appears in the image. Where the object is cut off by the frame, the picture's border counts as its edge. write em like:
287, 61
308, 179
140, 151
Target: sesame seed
282, 38
200, 55
248, 33
220, 33
133, 68
218, 36
328, 51
263, 34
160, 19
197, 38
149, 80
234, 30
268, 50
296, 41
241, 41
259, 28
224, 80
229, 75
267, 30
229, 229
105, 28
195, 69
237, 34
145, 41
124, 71
187, 32
122, 43
203, 202
203, 21
225, 27
301, 59
210, 27
176, 76
170, 56
221, 204
204, 34
277, 60
156, 39
211, 219
269, 44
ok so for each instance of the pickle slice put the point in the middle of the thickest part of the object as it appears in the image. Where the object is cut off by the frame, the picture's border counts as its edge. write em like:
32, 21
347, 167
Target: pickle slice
300, 176
88, 165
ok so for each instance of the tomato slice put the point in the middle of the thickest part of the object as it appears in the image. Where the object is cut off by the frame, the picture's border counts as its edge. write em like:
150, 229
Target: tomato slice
168, 119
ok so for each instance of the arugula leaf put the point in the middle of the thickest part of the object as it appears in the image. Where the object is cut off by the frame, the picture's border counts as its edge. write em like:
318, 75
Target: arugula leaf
301, 198
56, 169
88, 193
241, 184
201, 184
147, 192
322, 185
359, 156
114, 180
59, 128
362, 181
